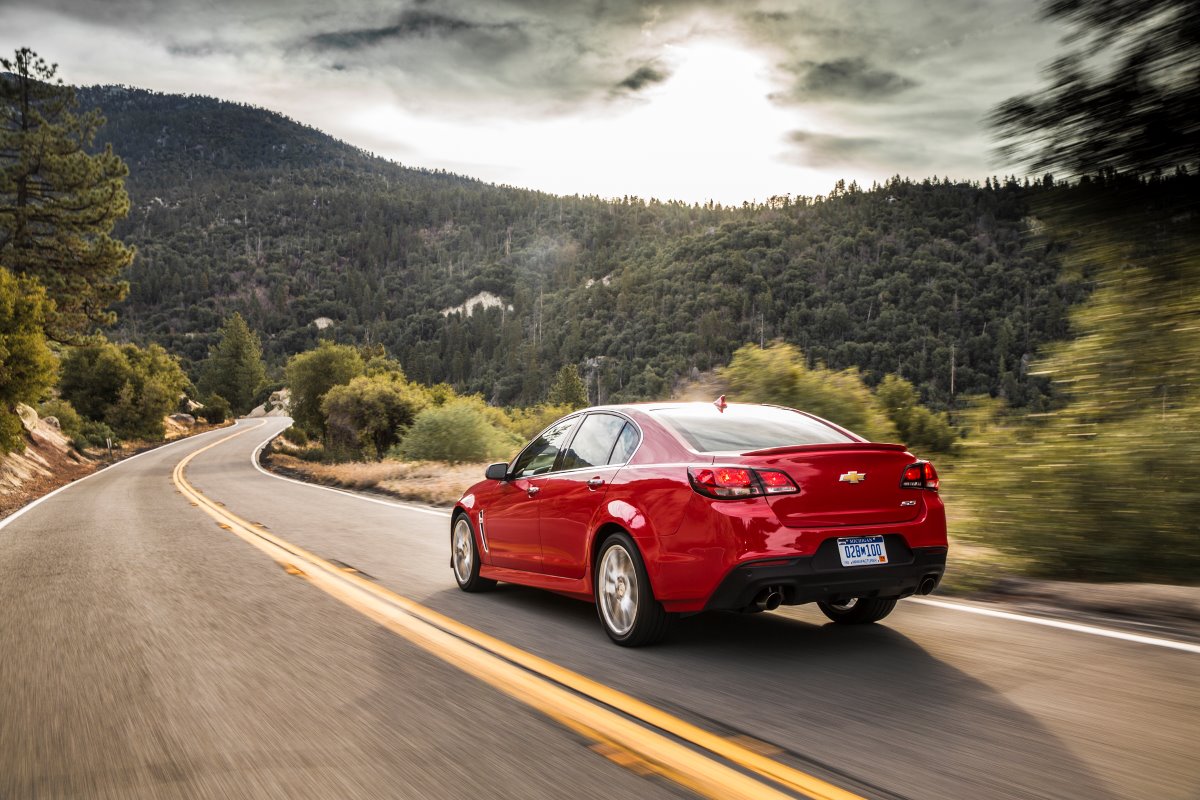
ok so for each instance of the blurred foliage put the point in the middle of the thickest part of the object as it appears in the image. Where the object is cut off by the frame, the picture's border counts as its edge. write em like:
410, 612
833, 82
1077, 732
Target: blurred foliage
924, 431
313, 373
526, 423
234, 368
780, 374
1104, 486
129, 388
458, 431
27, 366
1125, 99
58, 201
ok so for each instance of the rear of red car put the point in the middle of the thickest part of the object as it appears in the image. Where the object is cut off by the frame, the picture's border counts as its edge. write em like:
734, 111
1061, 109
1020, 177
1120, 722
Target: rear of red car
787, 508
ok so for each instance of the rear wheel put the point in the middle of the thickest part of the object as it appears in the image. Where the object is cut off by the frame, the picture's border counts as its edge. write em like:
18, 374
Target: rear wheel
859, 610
464, 557
624, 600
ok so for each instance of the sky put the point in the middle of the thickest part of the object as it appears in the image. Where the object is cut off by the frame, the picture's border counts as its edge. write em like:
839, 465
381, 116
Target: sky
687, 100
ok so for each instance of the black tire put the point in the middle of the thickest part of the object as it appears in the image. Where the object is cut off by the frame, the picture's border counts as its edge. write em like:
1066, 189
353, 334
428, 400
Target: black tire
859, 610
464, 556
635, 623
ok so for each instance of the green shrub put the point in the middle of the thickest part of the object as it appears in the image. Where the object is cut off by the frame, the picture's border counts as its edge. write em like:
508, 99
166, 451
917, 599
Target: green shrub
94, 434
216, 410
296, 436
367, 416
69, 421
457, 431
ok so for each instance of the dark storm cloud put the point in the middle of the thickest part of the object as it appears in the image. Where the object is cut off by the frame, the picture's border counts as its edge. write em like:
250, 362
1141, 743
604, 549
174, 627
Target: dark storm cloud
642, 77
844, 79
412, 23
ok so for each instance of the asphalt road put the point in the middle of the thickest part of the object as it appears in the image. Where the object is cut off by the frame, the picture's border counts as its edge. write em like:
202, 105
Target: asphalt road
146, 652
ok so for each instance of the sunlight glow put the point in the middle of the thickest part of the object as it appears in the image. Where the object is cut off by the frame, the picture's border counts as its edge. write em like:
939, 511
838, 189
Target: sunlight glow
707, 132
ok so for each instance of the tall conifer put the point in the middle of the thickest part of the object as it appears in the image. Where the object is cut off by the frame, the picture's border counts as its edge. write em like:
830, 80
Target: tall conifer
58, 201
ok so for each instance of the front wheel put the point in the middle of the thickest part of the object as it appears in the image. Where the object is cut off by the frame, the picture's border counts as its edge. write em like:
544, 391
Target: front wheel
464, 557
859, 610
624, 600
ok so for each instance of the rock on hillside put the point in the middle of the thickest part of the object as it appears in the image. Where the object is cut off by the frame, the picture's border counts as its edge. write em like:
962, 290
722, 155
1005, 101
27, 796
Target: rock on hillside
47, 461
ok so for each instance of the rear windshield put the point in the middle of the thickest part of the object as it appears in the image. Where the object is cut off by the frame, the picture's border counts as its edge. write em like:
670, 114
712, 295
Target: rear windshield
742, 428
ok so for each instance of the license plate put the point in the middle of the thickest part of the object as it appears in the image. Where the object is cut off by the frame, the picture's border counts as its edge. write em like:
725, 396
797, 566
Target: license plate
858, 551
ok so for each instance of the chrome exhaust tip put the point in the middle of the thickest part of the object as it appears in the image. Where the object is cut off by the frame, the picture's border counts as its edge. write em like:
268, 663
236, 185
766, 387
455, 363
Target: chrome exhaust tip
769, 598
928, 584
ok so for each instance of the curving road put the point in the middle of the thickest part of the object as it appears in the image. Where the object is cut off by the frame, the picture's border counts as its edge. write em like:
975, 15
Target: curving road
147, 652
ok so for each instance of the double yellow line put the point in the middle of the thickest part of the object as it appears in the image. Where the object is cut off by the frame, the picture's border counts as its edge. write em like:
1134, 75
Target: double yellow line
631, 731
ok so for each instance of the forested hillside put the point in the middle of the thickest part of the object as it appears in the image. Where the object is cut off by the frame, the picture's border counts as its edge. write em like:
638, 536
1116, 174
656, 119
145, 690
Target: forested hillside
239, 209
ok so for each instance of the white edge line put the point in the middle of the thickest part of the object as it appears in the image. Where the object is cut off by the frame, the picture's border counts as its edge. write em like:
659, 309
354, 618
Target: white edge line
158, 449
355, 495
1067, 626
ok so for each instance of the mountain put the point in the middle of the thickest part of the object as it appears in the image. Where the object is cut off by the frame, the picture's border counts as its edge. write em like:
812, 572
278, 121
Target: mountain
493, 288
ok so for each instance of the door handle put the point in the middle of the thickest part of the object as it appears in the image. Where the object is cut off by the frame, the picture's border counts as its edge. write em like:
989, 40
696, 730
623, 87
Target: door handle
532, 490
595, 483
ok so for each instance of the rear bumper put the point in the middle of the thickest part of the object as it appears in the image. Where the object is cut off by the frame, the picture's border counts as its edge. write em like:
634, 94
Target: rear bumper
822, 577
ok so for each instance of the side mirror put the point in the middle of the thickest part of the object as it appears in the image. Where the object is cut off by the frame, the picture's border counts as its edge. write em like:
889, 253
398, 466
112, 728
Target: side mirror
496, 472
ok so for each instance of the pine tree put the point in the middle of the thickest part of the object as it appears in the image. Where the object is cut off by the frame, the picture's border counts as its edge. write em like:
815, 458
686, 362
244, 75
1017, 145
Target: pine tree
568, 388
58, 202
234, 368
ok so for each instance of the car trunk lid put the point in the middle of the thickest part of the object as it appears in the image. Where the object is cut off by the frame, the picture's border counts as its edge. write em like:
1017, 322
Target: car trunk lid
841, 484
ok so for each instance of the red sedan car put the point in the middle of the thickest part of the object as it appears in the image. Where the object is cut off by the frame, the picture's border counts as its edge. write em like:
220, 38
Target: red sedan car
657, 509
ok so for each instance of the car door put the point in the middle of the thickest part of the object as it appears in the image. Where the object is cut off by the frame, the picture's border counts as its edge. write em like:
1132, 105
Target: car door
572, 494
510, 520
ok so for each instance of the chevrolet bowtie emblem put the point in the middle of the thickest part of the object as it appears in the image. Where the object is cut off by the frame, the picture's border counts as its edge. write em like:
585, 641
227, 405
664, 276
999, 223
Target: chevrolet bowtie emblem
852, 477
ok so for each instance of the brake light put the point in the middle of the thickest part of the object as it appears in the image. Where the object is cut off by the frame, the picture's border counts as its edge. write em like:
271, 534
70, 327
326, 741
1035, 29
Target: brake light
735, 483
921, 475
775, 482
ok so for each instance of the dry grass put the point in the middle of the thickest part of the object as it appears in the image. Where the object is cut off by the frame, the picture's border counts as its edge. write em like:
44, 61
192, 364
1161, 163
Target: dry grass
429, 482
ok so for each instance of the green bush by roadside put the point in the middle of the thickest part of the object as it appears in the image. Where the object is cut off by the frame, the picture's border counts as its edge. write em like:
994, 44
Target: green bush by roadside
456, 432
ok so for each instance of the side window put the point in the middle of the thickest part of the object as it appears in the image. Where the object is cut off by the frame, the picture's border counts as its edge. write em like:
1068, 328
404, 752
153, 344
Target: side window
593, 442
539, 456
627, 442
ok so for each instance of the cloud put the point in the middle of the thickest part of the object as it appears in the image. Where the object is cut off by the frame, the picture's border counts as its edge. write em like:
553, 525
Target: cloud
411, 23
843, 79
893, 150
642, 77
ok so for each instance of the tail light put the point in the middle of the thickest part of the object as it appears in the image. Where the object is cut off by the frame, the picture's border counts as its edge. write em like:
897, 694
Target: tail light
734, 483
921, 475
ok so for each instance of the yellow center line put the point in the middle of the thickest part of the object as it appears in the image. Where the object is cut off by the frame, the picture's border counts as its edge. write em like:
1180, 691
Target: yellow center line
533, 680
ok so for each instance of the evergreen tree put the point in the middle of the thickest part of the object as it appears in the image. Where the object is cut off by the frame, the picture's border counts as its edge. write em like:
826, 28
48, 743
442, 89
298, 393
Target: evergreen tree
58, 202
234, 368
27, 367
568, 389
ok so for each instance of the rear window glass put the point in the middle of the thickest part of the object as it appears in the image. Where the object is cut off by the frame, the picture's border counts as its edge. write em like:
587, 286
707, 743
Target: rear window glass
742, 428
